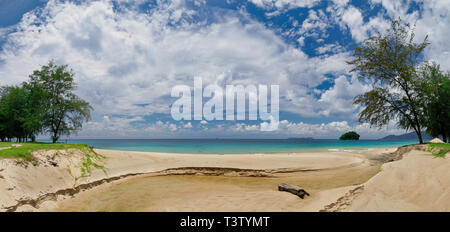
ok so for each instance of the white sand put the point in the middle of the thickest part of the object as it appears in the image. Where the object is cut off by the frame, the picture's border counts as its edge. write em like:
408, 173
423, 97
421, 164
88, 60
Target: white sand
418, 182
31, 186
124, 161
436, 140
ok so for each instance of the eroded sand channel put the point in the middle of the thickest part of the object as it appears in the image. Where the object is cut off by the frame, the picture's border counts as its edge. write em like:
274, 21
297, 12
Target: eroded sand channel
157, 192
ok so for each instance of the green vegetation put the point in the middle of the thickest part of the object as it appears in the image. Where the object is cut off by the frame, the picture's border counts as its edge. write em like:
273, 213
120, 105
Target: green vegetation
435, 89
43, 105
24, 150
350, 136
404, 87
90, 160
439, 149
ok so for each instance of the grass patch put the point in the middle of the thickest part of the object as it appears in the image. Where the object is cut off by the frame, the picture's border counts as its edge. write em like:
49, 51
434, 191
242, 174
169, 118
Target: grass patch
24, 151
439, 149
5, 144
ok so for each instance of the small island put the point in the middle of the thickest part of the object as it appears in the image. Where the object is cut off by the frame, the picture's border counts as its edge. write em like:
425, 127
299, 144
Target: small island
349, 136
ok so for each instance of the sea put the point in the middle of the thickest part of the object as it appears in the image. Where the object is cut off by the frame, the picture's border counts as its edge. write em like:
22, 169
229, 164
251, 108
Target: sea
238, 146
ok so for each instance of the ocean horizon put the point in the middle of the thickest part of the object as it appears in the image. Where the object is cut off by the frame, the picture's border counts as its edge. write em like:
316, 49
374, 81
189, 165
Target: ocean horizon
238, 146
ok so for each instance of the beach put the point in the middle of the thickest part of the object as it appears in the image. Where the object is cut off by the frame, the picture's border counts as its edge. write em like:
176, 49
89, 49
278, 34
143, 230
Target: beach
160, 182
45, 187
227, 183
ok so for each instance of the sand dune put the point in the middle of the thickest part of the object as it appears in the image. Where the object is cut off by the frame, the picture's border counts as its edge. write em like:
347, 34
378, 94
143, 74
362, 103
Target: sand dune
418, 182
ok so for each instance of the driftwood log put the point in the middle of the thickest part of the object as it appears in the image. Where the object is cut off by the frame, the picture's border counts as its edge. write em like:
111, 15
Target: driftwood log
293, 189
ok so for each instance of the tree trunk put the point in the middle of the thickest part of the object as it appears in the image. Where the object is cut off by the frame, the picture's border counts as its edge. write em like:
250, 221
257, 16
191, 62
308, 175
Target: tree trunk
419, 134
55, 137
444, 137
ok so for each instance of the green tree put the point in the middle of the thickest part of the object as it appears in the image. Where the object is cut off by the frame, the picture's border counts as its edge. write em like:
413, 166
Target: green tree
352, 135
3, 115
20, 114
13, 100
33, 111
389, 62
435, 91
64, 112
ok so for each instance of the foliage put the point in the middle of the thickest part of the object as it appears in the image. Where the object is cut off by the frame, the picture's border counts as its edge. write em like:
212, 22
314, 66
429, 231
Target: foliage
44, 104
439, 149
352, 135
65, 112
20, 113
389, 61
435, 92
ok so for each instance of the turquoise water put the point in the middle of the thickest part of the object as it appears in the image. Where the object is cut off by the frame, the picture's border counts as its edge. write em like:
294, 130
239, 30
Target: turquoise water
237, 146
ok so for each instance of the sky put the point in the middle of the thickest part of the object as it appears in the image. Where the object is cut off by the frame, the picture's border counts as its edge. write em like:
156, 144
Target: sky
128, 54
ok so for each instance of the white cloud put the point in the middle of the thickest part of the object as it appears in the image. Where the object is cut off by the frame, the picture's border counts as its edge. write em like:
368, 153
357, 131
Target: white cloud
432, 21
187, 125
333, 130
330, 48
118, 127
435, 23
127, 62
319, 130
351, 18
339, 98
315, 25
284, 4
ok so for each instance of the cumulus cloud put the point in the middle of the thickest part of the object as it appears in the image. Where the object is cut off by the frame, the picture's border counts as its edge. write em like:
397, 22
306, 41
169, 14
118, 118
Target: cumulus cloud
126, 60
339, 98
334, 129
136, 127
434, 21
315, 25
351, 18
284, 4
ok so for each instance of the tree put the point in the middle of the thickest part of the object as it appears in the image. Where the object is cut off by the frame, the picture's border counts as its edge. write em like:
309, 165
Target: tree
64, 111
13, 100
350, 136
19, 113
435, 91
389, 61
33, 111
3, 115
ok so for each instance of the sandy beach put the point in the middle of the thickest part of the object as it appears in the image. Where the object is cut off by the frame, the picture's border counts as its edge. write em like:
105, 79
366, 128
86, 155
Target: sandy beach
147, 181
173, 177
228, 183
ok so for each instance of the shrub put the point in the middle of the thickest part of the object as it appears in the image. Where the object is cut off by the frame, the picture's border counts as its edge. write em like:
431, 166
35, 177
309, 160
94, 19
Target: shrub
350, 136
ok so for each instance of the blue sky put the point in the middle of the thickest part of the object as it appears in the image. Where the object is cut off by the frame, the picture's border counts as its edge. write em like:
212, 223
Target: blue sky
127, 55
